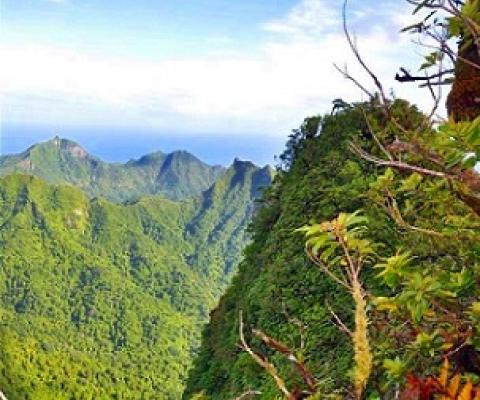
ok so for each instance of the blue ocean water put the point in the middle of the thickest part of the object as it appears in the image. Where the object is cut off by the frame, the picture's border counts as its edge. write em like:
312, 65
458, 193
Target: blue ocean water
121, 145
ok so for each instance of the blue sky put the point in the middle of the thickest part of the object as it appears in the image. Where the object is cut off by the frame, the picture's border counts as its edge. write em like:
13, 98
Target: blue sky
148, 29
185, 72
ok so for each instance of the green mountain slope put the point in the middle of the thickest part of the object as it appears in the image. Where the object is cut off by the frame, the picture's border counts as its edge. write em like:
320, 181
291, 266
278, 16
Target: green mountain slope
276, 286
177, 176
105, 301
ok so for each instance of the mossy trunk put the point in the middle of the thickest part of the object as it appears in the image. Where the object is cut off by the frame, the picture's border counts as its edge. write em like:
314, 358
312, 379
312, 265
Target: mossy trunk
463, 102
363, 355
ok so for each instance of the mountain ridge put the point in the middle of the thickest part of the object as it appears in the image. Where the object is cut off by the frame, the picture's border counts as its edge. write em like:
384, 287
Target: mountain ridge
177, 175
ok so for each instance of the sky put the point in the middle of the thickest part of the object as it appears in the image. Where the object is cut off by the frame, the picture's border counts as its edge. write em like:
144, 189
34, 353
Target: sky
220, 78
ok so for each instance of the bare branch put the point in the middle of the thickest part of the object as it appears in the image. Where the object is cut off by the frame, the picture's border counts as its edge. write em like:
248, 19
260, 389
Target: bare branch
306, 375
248, 393
263, 362
325, 269
347, 75
407, 77
375, 137
398, 164
302, 327
360, 60
393, 211
339, 323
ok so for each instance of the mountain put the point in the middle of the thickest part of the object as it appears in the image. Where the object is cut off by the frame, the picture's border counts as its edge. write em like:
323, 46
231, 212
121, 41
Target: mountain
178, 175
103, 300
276, 287
224, 212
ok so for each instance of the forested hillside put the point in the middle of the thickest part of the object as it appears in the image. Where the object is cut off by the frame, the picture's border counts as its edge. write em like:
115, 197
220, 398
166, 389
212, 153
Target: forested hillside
178, 175
362, 281
282, 293
275, 284
104, 301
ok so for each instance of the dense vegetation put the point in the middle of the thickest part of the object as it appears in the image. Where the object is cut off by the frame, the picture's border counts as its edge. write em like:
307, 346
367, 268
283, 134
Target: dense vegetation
105, 301
283, 293
178, 175
276, 286
383, 287
362, 278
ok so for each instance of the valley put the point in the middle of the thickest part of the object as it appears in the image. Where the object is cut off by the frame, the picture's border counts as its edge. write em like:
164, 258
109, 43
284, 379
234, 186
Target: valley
104, 300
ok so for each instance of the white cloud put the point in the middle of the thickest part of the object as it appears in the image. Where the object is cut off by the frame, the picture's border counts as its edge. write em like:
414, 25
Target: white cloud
290, 77
309, 17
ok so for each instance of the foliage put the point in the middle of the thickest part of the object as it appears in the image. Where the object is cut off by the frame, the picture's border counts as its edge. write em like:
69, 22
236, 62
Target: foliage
444, 387
105, 301
423, 301
340, 244
277, 287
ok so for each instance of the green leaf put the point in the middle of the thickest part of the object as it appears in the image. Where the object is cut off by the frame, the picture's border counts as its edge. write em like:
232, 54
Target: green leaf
394, 367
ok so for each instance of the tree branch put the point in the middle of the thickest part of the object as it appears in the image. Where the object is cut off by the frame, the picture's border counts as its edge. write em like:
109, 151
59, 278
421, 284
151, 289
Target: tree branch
248, 393
263, 362
306, 375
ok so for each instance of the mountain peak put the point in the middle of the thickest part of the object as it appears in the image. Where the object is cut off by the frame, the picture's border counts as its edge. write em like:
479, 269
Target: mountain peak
182, 155
68, 146
176, 175
153, 159
242, 164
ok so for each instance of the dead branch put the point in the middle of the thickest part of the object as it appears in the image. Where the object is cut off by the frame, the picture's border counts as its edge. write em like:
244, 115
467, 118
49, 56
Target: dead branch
306, 375
341, 281
407, 77
339, 323
398, 164
390, 206
347, 75
302, 327
263, 362
248, 393
375, 137
360, 60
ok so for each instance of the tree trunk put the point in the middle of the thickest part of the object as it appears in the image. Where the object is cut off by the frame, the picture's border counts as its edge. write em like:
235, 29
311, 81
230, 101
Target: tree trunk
463, 103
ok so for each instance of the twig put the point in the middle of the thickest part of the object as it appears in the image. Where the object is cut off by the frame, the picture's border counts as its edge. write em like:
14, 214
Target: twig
346, 75
263, 362
306, 375
360, 60
392, 209
325, 269
375, 137
339, 323
248, 393
398, 164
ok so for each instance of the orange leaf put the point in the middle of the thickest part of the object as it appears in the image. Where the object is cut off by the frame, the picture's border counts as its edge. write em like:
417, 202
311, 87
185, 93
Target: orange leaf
444, 374
466, 393
454, 386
